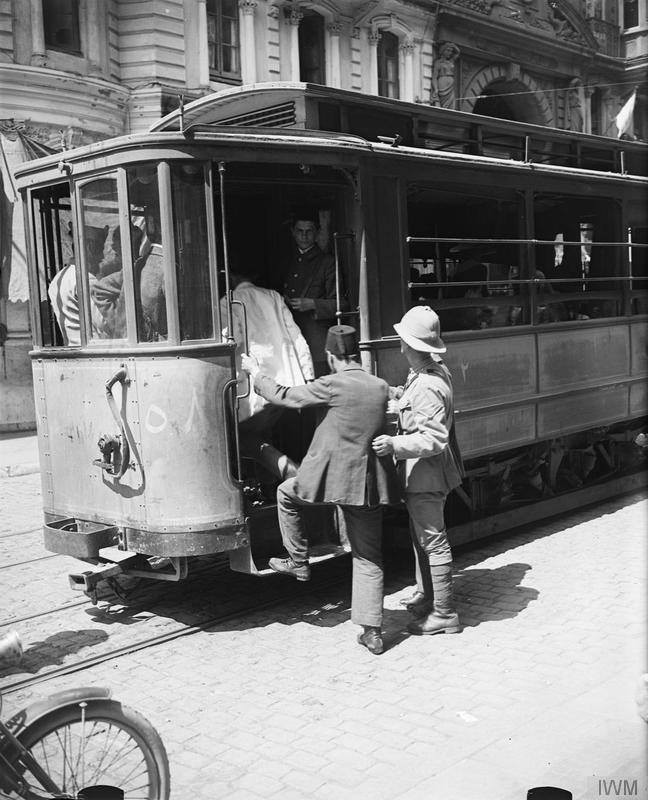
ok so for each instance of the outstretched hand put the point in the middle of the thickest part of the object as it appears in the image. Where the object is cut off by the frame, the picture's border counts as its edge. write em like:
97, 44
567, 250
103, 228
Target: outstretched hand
250, 365
383, 445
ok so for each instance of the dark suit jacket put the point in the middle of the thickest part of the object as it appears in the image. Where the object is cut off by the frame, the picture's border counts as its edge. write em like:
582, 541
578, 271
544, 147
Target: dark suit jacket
340, 466
312, 274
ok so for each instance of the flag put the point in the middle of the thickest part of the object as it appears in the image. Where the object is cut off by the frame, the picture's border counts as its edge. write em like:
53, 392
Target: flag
624, 120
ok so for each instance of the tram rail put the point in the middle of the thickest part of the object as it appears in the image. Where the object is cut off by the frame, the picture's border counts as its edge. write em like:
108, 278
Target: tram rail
317, 585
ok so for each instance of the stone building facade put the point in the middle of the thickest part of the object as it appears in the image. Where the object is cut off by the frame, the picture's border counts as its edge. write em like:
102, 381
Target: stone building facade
76, 71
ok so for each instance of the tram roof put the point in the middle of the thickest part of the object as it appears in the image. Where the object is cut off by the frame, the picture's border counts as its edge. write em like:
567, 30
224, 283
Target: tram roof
286, 105
235, 117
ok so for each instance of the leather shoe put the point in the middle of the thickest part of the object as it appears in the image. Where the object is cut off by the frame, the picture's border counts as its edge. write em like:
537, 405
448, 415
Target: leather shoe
286, 566
435, 623
372, 640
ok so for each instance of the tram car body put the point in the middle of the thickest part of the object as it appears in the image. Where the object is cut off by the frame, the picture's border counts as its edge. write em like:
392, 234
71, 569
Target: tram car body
529, 242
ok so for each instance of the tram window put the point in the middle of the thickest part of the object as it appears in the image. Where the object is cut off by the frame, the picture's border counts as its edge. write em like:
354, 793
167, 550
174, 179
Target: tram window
191, 251
54, 251
470, 284
146, 245
102, 260
577, 280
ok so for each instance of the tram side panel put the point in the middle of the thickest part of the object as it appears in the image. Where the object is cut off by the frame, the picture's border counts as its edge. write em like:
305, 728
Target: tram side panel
518, 389
176, 496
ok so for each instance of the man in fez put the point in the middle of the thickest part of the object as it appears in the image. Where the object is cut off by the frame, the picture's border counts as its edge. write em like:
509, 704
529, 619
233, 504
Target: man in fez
340, 468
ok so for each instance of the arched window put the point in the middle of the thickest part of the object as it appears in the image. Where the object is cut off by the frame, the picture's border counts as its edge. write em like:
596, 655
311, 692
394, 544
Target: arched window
311, 48
61, 25
388, 65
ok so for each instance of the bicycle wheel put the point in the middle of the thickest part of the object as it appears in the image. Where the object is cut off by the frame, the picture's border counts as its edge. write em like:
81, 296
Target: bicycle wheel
101, 743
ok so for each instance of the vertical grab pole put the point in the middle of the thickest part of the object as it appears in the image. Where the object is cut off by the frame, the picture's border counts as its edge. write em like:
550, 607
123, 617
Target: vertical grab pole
230, 321
228, 291
338, 309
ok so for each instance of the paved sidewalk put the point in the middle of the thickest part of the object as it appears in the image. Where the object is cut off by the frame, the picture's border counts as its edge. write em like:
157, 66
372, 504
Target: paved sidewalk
538, 689
18, 454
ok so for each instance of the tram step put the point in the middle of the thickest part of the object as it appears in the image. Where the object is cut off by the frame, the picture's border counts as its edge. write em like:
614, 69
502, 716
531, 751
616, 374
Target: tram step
241, 560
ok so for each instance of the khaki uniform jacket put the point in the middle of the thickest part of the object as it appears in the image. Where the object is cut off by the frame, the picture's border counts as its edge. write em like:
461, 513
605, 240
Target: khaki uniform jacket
426, 446
340, 466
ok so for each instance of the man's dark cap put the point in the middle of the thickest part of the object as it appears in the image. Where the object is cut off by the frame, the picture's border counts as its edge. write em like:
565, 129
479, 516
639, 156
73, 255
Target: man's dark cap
342, 340
306, 214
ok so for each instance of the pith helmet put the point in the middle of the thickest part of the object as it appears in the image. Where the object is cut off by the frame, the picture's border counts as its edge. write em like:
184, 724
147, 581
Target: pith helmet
420, 329
342, 340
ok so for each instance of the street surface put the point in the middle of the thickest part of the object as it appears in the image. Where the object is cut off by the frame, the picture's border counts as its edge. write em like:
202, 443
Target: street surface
538, 689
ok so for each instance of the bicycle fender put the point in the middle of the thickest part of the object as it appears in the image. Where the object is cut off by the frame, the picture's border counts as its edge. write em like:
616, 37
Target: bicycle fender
41, 708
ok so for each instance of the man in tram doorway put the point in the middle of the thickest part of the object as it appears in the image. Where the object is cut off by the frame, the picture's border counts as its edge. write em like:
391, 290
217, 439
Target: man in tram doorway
430, 466
309, 286
276, 342
339, 469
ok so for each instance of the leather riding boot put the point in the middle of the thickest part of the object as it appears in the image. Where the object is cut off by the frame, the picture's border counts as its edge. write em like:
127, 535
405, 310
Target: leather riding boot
444, 618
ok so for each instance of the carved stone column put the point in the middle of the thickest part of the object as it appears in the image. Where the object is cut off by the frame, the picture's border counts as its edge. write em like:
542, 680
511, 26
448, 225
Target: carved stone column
587, 92
407, 92
294, 18
94, 26
335, 29
38, 56
203, 43
373, 38
248, 42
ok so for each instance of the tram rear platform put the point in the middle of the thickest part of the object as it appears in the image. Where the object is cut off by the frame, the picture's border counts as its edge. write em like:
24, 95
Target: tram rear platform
281, 702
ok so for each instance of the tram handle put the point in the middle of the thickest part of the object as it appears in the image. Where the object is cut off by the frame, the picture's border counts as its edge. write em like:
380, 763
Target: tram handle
121, 376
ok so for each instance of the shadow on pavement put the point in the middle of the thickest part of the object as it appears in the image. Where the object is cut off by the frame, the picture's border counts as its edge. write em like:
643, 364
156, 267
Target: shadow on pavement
55, 650
488, 595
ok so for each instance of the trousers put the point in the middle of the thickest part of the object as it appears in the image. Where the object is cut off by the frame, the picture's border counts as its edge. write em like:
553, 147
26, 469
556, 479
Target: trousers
364, 531
428, 533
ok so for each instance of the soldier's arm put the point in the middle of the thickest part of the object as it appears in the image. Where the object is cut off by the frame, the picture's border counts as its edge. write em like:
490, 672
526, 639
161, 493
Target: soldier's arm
430, 435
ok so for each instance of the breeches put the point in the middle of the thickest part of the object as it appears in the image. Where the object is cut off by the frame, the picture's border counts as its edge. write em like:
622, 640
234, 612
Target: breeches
427, 526
364, 530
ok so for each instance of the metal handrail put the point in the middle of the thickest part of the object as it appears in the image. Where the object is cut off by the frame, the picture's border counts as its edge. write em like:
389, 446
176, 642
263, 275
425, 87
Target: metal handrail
525, 281
552, 242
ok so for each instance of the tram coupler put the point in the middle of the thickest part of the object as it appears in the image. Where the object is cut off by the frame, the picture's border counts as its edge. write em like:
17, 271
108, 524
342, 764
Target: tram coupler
88, 581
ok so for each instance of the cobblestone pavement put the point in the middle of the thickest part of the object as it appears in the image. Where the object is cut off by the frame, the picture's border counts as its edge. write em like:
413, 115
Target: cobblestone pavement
282, 703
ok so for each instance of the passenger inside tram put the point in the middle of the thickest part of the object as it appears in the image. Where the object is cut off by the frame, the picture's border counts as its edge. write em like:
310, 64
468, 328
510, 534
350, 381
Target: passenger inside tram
309, 285
107, 291
63, 293
263, 326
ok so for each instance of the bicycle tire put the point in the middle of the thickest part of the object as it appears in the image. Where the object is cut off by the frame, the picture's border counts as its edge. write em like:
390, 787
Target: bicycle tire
109, 724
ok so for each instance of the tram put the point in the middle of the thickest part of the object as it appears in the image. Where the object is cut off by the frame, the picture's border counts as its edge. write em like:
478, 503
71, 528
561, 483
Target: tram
529, 242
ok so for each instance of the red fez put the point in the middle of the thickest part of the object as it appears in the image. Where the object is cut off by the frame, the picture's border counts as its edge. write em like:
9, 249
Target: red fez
342, 340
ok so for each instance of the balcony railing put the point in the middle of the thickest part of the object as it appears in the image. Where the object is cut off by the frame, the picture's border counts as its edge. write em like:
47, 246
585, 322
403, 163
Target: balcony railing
607, 35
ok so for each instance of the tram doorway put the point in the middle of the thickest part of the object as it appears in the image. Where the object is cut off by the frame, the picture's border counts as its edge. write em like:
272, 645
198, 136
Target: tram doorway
511, 100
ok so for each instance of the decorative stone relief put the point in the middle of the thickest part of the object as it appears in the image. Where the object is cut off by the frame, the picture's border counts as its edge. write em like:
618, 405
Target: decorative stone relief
294, 15
574, 106
443, 76
12, 128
